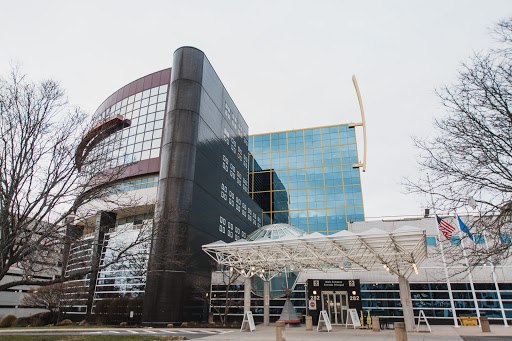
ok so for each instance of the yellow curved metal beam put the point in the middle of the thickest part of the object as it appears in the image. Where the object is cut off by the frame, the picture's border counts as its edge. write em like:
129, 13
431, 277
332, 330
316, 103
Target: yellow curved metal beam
363, 164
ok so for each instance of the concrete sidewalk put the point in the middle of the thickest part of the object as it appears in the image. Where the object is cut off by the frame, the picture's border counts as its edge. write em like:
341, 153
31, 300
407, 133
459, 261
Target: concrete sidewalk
446, 333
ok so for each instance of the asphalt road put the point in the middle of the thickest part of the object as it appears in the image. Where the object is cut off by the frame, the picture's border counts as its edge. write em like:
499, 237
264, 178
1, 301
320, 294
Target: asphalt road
191, 334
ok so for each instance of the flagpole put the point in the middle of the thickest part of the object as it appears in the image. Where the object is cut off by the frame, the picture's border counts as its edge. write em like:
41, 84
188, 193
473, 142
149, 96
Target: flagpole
454, 313
473, 292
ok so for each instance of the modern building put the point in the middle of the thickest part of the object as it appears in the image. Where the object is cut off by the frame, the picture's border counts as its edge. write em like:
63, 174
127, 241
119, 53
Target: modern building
12, 299
187, 160
43, 266
191, 172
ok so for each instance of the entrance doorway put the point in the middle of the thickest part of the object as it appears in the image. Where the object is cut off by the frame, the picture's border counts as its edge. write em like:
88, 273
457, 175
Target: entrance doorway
336, 304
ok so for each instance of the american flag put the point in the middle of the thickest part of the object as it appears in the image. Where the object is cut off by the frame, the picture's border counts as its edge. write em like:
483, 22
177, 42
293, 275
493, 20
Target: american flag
445, 228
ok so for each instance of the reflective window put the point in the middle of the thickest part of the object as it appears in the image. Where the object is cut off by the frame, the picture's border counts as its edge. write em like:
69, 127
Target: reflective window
479, 239
331, 156
315, 177
348, 154
132, 185
314, 157
431, 241
355, 214
316, 198
279, 201
251, 141
296, 158
263, 160
280, 217
347, 135
278, 142
333, 176
455, 240
279, 180
505, 238
334, 197
296, 139
299, 219
279, 160
330, 136
297, 178
261, 144
317, 220
350, 175
298, 199
312, 138
336, 220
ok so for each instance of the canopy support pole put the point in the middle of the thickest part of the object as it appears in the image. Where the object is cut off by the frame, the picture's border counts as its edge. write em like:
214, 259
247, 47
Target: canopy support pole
247, 294
405, 299
266, 303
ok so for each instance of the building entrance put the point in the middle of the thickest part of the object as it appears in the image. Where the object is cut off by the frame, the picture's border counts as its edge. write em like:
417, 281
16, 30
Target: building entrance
335, 296
336, 305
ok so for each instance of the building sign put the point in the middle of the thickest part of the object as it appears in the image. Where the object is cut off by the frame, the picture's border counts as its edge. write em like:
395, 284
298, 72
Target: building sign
334, 283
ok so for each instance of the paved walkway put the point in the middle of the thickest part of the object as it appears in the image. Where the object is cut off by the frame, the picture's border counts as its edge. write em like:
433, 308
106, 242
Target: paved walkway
444, 333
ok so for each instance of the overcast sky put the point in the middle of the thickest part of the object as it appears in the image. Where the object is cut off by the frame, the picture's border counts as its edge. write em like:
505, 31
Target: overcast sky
286, 64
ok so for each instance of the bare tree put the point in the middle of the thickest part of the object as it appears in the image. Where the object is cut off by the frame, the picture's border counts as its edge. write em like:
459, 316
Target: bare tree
222, 303
470, 156
51, 297
44, 180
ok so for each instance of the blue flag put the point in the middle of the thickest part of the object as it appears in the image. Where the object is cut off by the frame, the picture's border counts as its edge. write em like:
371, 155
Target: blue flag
464, 228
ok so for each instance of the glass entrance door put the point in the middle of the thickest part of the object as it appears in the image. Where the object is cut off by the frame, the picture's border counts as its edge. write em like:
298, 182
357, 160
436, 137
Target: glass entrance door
336, 305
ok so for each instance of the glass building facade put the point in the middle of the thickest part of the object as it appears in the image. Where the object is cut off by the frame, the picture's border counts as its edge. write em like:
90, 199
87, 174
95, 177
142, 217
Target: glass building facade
306, 178
143, 138
383, 299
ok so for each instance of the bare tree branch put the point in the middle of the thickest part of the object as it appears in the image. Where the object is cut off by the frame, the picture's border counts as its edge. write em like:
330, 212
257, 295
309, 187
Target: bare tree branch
471, 152
43, 181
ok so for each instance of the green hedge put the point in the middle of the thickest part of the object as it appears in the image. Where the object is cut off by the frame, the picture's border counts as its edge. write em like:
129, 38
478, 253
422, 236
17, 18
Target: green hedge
117, 310
8, 321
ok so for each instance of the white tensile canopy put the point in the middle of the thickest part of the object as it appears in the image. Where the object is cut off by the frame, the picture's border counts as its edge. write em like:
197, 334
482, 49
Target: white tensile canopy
400, 252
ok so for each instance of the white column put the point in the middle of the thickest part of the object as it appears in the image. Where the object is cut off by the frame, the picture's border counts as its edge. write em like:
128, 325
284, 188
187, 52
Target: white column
266, 302
405, 298
470, 276
247, 294
505, 322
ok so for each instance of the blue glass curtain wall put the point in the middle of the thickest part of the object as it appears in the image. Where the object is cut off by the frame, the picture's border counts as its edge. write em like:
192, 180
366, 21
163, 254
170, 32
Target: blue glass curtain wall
313, 170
